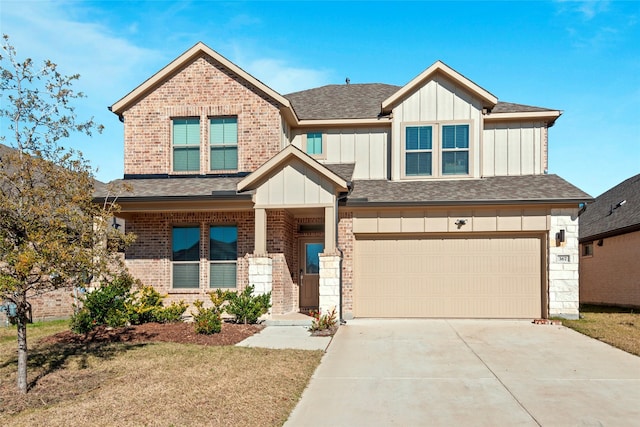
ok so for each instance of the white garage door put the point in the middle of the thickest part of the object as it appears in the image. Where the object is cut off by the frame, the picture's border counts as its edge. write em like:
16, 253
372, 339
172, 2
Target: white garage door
490, 277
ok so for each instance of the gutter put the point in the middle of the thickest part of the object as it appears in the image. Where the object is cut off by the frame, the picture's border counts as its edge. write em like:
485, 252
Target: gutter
337, 219
364, 201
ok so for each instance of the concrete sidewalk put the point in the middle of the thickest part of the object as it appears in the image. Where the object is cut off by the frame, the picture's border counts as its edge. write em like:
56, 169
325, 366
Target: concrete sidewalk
296, 337
471, 373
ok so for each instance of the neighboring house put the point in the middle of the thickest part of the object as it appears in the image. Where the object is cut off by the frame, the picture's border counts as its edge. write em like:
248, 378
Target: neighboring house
610, 247
426, 200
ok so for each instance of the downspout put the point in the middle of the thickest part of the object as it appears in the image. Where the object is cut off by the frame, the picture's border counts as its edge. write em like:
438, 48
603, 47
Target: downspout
337, 219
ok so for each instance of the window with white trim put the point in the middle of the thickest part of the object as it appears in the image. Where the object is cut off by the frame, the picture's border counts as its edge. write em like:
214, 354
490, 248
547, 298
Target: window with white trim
223, 256
185, 248
455, 149
419, 151
223, 140
186, 144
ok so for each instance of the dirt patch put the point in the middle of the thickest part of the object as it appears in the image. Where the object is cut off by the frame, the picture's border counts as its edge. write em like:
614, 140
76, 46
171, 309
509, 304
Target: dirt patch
183, 333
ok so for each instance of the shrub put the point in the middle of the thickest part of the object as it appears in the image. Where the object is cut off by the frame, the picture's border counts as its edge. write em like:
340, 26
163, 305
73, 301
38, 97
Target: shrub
105, 305
207, 320
324, 323
172, 313
247, 308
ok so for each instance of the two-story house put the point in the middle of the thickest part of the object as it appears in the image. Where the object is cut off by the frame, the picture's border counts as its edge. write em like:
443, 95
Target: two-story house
426, 200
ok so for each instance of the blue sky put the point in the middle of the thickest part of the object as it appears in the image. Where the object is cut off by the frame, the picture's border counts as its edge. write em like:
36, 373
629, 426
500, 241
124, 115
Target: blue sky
582, 57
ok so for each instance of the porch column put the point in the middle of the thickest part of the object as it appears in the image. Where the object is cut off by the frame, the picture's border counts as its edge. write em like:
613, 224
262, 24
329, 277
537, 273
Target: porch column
329, 230
329, 289
260, 245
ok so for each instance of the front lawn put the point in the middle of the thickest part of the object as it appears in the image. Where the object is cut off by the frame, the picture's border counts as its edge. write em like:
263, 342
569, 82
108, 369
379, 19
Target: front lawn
150, 383
613, 325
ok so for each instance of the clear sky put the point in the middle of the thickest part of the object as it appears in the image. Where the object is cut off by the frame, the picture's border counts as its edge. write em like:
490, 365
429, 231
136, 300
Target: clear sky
581, 57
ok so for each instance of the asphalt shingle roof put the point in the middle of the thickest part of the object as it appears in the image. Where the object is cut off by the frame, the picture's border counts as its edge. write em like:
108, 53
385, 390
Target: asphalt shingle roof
605, 217
352, 101
490, 190
363, 101
175, 187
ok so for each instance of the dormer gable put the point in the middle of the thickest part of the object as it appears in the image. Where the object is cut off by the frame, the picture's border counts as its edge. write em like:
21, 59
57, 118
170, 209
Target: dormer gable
487, 99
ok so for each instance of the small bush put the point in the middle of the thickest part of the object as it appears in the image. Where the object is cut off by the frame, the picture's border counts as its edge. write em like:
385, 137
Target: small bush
247, 308
172, 313
327, 323
207, 320
105, 305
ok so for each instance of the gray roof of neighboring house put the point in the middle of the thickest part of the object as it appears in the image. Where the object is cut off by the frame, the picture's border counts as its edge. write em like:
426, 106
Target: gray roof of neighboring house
607, 216
498, 189
363, 101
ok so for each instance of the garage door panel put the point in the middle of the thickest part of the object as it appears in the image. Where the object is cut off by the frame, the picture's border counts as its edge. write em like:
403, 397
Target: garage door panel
462, 277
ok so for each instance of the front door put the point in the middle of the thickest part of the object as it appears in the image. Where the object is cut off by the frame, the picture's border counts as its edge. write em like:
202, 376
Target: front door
310, 274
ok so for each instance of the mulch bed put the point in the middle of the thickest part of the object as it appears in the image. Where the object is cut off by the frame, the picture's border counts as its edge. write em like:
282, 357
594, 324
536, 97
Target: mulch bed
158, 332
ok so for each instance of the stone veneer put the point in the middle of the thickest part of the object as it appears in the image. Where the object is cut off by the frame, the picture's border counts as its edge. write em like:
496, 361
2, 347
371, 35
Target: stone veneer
329, 290
563, 260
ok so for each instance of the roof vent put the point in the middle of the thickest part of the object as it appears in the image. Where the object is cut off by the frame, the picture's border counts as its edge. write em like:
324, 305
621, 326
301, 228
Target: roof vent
347, 80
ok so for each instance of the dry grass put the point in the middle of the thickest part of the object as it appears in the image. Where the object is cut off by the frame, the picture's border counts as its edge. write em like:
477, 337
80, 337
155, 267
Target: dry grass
613, 325
162, 384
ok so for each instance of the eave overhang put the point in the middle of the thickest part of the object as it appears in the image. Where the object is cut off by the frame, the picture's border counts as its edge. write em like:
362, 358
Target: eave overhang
547, 116
444, 203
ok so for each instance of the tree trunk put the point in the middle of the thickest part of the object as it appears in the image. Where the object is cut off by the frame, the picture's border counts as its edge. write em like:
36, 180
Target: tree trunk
22, 345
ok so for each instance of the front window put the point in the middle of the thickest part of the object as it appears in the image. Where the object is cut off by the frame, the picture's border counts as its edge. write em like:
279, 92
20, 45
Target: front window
185, 243
186, 144
455, 150
223, 256
223, 138
418, 150
314, 143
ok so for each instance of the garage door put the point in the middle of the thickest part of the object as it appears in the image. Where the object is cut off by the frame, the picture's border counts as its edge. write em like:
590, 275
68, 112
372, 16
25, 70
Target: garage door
448, 277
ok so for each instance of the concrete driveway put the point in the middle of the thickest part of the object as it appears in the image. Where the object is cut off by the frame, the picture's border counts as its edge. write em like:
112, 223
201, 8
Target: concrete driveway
469, 373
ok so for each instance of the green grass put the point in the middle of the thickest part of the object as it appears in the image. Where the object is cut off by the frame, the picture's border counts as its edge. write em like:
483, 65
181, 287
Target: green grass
34, 330
619, 327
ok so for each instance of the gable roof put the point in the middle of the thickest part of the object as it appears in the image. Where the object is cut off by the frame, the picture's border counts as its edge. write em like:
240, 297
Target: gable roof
197, 50
440, 67
286, 155
609, 216
491, 190
348, 101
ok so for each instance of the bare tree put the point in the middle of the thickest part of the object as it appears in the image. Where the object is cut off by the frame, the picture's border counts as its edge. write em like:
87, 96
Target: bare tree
52, 234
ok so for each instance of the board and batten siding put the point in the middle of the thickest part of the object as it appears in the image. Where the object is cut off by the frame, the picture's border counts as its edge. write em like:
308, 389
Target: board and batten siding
514, 148
296, 185
366, 147
439, 100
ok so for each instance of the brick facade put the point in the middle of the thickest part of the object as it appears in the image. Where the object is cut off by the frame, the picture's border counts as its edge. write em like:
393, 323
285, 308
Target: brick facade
199, 89
611, 275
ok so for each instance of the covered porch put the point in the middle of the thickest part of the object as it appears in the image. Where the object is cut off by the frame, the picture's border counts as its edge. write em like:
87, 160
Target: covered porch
295, 254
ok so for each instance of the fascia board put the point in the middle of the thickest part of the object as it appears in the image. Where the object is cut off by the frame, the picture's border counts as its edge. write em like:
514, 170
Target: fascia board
452, 74
544, 115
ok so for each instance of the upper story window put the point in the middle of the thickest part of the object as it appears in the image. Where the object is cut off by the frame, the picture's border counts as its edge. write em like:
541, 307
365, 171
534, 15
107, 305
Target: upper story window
185, 250
314, 145
436, 150
223, 139
419, 150
223, 256
186, 144
455, 150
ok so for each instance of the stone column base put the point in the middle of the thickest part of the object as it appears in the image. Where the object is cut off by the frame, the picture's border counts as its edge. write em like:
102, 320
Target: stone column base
329, 291
261, 275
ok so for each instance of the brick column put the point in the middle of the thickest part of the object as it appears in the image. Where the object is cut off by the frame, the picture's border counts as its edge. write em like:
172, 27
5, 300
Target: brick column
329, 292
261, 275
